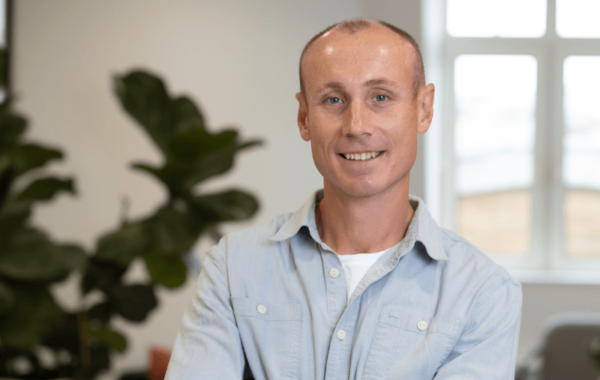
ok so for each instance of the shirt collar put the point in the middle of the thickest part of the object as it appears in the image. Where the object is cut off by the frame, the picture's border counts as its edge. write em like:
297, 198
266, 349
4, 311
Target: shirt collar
422, 227
303, 217
427, 230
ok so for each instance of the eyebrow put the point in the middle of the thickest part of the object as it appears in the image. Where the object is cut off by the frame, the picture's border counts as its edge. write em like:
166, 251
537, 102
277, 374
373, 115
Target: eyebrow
369, 83
376, 82
333, 85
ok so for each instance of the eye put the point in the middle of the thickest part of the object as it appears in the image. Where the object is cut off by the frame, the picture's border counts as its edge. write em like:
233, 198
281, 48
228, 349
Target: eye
334, 100
380, 98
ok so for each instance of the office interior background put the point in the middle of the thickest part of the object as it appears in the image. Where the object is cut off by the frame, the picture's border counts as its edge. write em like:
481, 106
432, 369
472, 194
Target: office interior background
512, 159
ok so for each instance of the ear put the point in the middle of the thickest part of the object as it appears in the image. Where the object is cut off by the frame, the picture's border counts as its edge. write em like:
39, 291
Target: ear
303, 117
425, 104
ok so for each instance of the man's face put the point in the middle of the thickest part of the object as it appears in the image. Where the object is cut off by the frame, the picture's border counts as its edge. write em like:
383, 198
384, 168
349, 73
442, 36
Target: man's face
360, 103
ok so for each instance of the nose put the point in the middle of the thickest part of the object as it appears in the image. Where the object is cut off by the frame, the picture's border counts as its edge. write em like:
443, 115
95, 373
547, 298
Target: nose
357, 120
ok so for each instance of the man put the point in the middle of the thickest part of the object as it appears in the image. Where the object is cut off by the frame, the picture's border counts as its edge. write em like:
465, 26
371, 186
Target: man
360, 282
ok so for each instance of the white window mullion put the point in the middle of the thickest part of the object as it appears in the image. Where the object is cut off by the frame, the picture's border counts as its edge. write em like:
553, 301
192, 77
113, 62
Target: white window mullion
540, 244
544, 236
557, 191
448, 196
456, 45
556, 258
434, 38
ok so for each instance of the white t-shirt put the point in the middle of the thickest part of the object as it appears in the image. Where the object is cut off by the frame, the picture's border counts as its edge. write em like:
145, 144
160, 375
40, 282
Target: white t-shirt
356, 266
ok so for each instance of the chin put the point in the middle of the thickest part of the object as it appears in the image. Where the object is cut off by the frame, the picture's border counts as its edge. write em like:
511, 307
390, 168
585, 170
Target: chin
361, 189
368, 187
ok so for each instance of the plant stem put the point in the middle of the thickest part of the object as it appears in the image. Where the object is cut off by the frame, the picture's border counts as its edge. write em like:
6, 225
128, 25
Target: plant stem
84, 345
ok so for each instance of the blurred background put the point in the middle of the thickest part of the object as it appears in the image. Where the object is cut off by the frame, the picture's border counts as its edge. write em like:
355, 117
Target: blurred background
512, 161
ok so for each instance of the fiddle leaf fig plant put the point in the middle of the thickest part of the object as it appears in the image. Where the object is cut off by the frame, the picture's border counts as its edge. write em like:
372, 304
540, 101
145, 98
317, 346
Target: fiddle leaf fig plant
81, 343
30, 261
191, 154
594, 351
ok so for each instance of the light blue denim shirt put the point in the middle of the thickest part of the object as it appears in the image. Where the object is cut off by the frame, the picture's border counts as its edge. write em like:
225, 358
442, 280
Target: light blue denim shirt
273, 298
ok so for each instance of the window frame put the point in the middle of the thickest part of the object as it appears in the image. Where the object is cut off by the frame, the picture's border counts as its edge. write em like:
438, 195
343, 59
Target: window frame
547, 261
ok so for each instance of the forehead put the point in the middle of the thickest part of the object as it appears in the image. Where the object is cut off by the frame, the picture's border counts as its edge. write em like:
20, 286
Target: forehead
364, 55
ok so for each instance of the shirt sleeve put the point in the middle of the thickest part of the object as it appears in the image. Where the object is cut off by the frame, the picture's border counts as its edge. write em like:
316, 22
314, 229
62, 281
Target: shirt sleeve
208, 345
487, 348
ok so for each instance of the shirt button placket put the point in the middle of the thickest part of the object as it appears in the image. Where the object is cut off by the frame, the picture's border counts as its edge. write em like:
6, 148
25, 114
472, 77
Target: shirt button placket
335, 287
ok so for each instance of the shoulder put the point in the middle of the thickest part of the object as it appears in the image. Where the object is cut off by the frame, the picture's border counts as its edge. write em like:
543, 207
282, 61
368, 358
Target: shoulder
458, 249
254, 240
249, 257
464, 253
473, 271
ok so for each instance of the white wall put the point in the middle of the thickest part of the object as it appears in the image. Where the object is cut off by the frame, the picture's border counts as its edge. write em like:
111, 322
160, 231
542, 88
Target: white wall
238, 59
541, 301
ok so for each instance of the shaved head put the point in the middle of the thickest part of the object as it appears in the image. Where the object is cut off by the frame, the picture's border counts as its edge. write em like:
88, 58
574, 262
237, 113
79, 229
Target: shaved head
358, 25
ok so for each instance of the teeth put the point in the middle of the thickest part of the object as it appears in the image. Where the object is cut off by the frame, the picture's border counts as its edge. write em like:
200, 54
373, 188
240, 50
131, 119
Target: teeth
361, 156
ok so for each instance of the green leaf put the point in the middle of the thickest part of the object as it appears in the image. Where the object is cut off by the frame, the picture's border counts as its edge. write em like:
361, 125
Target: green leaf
6, 179
196, 143
73, 256
44, 189
7, 298
157, 173
135, 376
225, 206
64, 335
187, 115
13, 217
215, 163
172, 176
11, 128
175, 229
30, 156
177, 127
122, 246
167, 270
100, 361
3, 67
180, 176
32, 256
103, 275
101, 312
145, 98
133, 302
109, 338
33, 316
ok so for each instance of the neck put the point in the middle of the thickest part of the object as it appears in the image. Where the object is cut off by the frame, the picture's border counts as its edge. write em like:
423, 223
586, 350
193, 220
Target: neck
351, 225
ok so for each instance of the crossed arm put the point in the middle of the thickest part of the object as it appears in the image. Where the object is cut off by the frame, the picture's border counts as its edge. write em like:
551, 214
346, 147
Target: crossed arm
208, 345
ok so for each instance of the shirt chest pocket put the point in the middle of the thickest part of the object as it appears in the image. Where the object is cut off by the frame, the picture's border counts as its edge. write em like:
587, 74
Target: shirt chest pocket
409, 344
270, 333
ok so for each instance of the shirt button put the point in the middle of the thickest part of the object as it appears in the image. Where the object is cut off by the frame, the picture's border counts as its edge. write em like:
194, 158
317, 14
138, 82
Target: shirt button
341, 334
422, 325
334, 272
261, 309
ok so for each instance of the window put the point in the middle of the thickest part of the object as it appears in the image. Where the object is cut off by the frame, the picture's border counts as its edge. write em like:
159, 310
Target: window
515, 155
5, 12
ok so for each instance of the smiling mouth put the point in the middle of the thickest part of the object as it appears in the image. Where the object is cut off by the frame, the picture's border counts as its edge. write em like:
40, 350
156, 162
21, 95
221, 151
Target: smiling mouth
364, 156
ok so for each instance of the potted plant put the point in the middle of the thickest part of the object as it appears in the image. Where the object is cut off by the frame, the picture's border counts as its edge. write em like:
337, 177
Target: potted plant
80, 344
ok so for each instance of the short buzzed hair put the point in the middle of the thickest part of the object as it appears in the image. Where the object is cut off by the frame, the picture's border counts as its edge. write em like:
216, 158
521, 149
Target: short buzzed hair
358, 25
